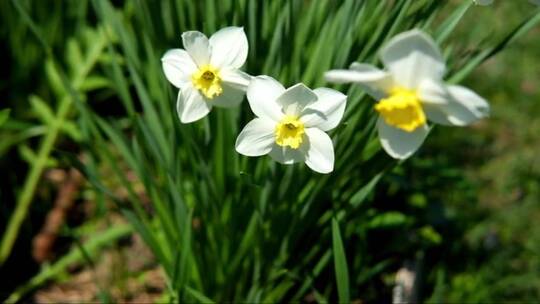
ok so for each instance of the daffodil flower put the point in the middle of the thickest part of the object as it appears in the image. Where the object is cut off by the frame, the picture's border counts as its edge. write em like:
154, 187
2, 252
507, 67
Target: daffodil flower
411, 91
207, 71
291, 123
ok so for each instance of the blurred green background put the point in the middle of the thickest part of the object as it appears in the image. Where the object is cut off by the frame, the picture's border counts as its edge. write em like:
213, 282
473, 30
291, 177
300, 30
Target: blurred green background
488, 178
498, 250
462, 211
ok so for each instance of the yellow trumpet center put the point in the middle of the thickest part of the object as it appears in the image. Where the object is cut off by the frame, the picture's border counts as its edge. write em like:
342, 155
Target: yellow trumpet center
207, 81
402, 109
289, 132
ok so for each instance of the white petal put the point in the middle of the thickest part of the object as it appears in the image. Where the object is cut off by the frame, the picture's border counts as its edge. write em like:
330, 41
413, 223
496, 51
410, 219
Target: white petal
432, 92
398, 143
257, 138
320, 155
451, 105
358, 72
437, 115
229, 47
190, 105
235, 78
474, 106
327, 111
231, 97
262, 94
373, 80
412, 57
295, 98
178, 67
365, 68
345, 76
286, 155
198, 47
435, 98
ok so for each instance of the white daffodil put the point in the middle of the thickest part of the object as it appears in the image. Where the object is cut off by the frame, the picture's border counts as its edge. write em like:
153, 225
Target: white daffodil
207, 71
411, 91
291, 123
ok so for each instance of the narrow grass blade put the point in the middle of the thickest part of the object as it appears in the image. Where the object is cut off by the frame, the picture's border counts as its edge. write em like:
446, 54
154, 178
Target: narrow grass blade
517, 32
340, 264
448, 26
198, 295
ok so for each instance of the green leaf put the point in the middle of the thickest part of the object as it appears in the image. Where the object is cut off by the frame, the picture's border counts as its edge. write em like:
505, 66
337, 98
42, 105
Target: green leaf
388, 220
340, 264
362, 194
54, 78
430, 234
373, 271
4, 115
43, 110
448, 26
246, 243
198, 295
308, 282
523, 28
72, 130
92, 83
30, 156
74, 54
278, 292
27, 154
183, 267
149, 237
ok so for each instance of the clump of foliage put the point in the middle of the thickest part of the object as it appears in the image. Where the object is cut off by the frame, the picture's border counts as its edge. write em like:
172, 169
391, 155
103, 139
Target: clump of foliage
224, 227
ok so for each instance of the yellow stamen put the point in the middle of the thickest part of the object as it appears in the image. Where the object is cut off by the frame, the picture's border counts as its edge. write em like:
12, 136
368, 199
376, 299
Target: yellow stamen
208, 81
289, 132
402, 109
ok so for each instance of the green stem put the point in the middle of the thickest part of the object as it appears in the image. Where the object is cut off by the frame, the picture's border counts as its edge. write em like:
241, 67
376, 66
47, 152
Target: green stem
23, 203
30, 184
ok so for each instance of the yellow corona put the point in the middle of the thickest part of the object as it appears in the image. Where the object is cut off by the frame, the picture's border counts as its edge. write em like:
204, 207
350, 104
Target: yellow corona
402, 109
207, 81
289, 132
